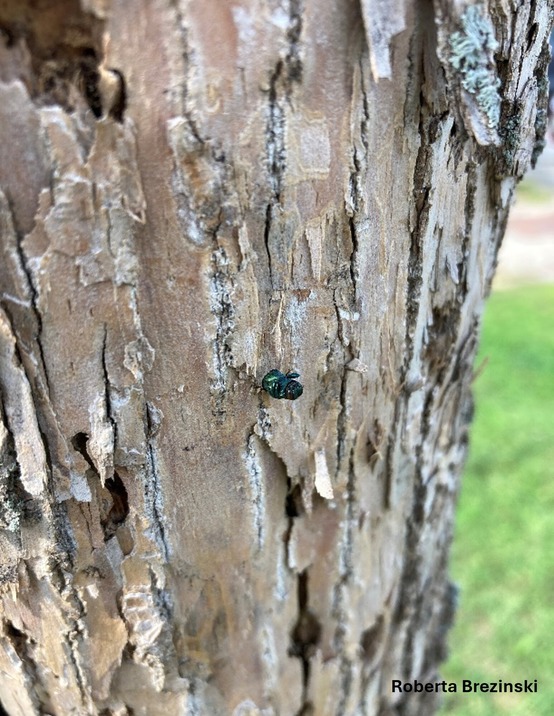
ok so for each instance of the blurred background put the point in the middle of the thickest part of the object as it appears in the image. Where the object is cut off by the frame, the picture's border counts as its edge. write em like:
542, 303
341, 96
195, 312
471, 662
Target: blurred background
503, 553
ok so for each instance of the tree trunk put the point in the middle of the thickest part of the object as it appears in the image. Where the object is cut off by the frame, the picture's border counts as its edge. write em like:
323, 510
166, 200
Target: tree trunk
194, 194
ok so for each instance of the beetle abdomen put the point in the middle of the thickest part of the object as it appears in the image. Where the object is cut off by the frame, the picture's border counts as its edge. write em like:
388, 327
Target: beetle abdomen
279, 385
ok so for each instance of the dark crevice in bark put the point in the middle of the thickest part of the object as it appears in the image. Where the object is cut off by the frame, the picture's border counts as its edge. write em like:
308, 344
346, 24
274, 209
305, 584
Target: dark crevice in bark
372, 638
415, 260
356, 178
293, 60
366, 114
285, 74
116, 513
439, 351
294, 507
437, 651
340, 335
79, 442
186, 111
61, 67
152, 487
390, 465
223, 310
119, 100
305, 636
510, 131
106, 378
371, 649
267, 230
90, 78
66, 547
354, 254
342, 418
275, 136
275, 156
31, 290
109, 227
427, 121
47, 455
541, 119
124, 709
469, 214
119, 509
153, 496
345, 682
104, 89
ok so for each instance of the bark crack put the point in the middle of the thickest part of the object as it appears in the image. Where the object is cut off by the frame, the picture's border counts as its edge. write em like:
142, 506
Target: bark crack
33, 293
153, 490
354, 254
305, 637
342, 418
106, 379
275, 136
222, 308
267, 230
293, 59
286, 72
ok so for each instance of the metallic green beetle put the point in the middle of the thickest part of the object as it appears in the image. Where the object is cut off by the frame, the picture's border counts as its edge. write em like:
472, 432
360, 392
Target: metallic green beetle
279, 385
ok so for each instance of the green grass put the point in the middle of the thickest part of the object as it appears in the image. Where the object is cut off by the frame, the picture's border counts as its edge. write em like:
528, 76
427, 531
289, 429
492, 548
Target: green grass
503, 554
531, 192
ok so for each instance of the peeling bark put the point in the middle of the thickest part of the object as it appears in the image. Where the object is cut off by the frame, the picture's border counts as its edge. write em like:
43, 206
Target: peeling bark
193, 194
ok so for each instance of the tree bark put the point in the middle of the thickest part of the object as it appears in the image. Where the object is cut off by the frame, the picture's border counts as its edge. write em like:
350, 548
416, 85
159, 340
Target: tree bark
194, 194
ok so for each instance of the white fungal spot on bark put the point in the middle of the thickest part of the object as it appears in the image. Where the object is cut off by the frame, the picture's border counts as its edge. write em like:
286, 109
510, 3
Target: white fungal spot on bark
323, 484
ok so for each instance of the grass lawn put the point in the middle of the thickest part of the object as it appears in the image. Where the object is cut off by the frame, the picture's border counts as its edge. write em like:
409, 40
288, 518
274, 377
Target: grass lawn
503, 554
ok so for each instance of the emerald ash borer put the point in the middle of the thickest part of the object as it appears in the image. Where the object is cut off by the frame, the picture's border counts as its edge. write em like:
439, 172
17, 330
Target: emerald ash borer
279, 385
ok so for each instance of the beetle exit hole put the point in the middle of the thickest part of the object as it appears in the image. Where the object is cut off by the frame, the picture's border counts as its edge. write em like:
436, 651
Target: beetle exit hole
115, 504
79, 442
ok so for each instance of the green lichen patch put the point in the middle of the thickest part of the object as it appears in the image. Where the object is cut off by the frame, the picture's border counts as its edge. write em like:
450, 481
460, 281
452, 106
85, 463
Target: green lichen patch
471, 57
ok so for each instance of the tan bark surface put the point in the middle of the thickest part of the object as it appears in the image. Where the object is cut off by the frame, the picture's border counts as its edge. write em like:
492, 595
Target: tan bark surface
260, 185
